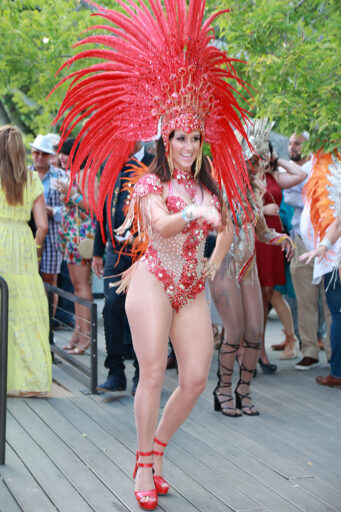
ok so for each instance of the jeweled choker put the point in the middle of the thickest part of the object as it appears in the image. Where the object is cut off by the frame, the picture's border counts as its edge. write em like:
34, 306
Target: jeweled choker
187, 180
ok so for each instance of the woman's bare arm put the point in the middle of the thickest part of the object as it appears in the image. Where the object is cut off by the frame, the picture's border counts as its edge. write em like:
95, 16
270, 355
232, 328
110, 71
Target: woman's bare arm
40, 219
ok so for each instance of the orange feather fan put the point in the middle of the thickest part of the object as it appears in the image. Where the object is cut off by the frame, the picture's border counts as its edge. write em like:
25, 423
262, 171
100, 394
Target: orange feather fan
320, 193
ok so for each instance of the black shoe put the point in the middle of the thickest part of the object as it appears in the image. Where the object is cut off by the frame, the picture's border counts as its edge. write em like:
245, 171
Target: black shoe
114, 382
267, 367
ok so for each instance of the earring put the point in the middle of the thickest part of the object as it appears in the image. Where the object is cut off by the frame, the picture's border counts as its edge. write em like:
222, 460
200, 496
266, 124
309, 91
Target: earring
198, 163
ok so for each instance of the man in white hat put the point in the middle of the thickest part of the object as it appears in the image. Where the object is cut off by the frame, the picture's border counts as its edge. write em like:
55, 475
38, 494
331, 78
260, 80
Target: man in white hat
42, 152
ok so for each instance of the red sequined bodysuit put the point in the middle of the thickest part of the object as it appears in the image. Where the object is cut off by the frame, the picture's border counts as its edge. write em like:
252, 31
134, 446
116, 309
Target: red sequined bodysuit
175, 260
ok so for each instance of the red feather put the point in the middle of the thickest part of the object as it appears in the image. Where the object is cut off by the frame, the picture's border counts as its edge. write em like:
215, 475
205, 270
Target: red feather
117, 100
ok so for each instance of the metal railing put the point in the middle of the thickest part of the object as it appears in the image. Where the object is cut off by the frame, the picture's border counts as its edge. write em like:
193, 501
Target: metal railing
91, 371
3, 365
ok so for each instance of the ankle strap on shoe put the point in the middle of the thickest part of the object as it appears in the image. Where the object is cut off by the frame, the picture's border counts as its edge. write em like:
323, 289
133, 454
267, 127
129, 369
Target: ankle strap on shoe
143, 454
142, 464
161, 444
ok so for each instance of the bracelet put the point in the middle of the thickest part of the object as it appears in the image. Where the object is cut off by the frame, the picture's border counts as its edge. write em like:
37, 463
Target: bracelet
184, 216
187, 213
38, 246
79, 199
326, 243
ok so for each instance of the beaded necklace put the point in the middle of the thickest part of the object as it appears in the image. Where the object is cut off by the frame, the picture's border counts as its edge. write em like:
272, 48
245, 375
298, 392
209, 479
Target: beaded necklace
186, 179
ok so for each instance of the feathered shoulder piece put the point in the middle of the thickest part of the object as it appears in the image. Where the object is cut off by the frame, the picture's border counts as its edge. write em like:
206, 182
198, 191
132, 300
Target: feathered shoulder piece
135, 178
152, 62
323, 191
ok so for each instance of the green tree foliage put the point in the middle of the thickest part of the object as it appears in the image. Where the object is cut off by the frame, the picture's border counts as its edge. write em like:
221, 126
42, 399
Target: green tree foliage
35, 39
293, 55
292, 51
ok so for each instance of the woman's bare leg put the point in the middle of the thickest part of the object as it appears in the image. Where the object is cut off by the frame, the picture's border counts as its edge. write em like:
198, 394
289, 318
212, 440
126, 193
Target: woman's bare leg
227, 297
52, 280
267, 292
150, 317
284, 312
80, 278
192, 339
253, 329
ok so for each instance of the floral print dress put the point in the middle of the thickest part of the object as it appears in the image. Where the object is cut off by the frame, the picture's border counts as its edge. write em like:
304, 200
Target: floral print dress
76, 221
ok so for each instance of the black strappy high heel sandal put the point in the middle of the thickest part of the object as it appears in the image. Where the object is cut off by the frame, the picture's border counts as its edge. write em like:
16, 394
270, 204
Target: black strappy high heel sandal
224, 371
248, 410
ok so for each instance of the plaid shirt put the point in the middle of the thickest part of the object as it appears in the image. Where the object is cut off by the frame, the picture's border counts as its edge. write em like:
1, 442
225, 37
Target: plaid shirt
51, 257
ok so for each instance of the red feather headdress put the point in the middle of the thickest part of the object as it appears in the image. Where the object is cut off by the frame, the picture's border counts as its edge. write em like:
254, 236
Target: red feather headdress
158, 63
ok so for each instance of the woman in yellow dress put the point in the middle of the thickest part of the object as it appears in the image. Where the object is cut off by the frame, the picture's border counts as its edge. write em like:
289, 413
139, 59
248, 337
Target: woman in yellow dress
21, 191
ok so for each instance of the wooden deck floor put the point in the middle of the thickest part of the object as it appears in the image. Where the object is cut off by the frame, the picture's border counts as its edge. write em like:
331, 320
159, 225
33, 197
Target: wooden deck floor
76, 453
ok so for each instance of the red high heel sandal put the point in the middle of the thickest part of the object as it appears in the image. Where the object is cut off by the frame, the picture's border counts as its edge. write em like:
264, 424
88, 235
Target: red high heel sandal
162, 486
151, 502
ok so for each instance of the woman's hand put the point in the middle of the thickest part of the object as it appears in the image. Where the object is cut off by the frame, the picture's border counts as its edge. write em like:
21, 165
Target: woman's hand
209, 213
97, 266
271, 209
63, 188
288, 248
210, 269
316, 253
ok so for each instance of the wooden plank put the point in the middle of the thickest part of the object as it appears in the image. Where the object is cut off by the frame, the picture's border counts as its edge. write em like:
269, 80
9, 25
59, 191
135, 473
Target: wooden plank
321, 490
286, 460
284, 432
67, 377
305, 469
178, 460
51, 478
7, 501
261, 484
113, 427
268, 488
21, 484
297, 392
69, 449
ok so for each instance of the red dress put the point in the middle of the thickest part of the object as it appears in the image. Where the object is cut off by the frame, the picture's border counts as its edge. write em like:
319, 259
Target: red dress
270, 259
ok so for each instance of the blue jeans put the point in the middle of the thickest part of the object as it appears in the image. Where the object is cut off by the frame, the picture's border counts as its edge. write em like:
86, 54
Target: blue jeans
333, 296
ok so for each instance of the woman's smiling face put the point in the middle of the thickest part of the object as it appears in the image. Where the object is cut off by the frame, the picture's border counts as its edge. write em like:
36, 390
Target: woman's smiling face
185, 148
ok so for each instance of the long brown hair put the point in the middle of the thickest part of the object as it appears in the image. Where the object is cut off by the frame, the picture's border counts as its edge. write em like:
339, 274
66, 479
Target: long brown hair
13, 171
160, 167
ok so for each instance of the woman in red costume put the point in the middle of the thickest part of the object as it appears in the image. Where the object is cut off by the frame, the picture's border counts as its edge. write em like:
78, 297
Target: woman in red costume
270, 260
176, 77
236, 289
178, 211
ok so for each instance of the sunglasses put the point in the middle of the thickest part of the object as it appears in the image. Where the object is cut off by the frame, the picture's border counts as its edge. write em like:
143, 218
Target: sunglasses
41, 153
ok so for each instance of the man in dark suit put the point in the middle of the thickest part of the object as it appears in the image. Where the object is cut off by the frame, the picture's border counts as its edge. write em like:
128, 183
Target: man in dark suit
117, 260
